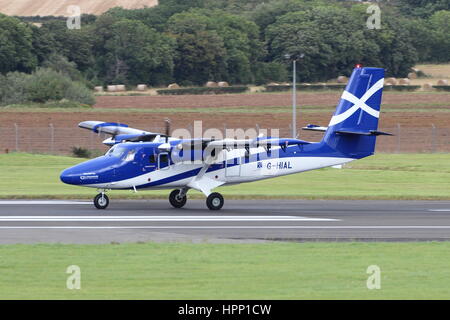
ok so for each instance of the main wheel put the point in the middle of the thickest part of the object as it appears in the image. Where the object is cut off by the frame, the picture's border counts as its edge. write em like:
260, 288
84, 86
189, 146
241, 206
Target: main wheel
215, 201
101, 201
176, 200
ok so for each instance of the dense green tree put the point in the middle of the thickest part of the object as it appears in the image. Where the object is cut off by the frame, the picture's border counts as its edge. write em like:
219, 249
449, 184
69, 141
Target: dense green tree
75, 44
328, 39
13, 88
334, 39
43, 85
156, 17
234, 49
199, 57
44, 43
16, 50
421, 8
439, 26
133, 53
61, 64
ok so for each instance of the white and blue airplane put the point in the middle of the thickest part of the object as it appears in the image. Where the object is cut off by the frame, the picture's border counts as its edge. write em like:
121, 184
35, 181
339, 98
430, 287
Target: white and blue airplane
140, 160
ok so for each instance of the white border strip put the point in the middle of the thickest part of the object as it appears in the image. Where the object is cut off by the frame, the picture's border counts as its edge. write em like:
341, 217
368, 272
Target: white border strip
45, 202
226, 227
155, 218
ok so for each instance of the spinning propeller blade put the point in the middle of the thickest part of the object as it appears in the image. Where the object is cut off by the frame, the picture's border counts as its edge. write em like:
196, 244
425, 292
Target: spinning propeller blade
167, 122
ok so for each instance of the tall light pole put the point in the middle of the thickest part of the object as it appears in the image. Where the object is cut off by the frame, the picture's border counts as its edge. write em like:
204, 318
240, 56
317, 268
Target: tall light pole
294, 91
294, 99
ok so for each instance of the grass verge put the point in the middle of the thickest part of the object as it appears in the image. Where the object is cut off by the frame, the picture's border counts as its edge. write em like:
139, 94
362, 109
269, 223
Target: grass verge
226, 271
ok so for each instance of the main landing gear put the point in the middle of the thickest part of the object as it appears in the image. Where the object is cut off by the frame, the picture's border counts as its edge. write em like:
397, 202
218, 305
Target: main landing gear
178, 199
101, 201
215, 201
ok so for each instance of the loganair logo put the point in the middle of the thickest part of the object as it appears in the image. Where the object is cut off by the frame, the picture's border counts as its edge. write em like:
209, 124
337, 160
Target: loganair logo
358, 103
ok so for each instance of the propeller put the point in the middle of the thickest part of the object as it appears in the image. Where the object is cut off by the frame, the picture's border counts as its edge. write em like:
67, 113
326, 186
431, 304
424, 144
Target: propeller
167, 122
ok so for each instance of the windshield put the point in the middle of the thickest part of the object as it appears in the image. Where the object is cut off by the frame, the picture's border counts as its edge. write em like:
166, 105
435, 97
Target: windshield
122, 152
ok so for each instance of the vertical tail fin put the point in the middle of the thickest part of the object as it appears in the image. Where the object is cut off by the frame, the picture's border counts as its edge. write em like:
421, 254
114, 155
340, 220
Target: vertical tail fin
353, 128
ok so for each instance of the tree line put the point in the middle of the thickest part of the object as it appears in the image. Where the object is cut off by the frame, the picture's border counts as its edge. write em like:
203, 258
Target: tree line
240, 41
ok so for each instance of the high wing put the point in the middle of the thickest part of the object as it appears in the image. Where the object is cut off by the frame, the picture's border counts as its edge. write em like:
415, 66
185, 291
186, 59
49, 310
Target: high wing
120, 132
110, 128
266, 142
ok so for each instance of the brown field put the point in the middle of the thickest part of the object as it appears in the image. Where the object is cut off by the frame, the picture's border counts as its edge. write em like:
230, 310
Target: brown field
409, 115
240, 110
59, 7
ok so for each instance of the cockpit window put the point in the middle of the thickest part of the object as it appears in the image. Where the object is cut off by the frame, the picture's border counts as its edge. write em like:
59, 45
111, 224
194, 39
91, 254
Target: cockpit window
130, 155
122, 152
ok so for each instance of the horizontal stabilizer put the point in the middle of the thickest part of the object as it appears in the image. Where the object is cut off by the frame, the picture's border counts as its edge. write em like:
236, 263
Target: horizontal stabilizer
364, 133
313, 127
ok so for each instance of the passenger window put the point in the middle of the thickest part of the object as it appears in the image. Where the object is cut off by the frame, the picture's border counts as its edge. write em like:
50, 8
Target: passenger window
153, 158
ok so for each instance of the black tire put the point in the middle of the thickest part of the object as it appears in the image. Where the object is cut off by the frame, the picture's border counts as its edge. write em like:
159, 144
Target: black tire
215, 201
176, 201
101, 202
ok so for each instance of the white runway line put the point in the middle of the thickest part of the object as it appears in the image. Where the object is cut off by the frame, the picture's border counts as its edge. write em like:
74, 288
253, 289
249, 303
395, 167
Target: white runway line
156, 218
45, 202
228, 227
439, 210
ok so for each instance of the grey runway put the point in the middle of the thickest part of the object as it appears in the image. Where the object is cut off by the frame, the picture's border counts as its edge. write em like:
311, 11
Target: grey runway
239, 221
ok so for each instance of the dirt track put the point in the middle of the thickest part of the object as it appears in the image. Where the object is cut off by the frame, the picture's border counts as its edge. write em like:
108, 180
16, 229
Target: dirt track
259, 100
407, 118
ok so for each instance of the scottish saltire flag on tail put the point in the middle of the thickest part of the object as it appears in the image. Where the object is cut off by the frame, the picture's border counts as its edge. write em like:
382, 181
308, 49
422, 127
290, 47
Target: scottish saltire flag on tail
354, 126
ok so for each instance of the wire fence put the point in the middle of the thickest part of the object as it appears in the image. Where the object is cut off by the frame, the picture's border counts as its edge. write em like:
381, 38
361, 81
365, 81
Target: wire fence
61, 141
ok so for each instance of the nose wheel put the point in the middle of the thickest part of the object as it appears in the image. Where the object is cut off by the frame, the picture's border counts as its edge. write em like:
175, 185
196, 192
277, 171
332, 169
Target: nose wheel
215, 201
177, 198
101, 201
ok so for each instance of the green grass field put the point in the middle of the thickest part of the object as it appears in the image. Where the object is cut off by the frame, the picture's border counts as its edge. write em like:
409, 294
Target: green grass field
227, 271
384, 176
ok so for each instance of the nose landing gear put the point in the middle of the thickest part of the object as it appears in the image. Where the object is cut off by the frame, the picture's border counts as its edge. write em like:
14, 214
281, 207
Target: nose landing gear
178, 198
101, 201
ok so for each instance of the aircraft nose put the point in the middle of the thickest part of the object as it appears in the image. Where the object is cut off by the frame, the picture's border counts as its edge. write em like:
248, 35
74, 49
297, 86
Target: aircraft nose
68, 177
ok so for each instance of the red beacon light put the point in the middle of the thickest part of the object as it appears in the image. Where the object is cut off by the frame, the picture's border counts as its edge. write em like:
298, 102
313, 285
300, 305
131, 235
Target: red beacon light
359, 66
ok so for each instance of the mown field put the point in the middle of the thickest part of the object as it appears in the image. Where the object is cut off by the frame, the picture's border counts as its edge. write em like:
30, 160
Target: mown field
383, 176
226, 271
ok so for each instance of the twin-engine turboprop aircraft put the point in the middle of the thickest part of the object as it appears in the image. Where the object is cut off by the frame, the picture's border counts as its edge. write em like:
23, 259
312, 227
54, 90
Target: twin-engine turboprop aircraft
140, 160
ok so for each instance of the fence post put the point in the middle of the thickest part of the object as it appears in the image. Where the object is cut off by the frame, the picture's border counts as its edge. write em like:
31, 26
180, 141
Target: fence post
433, 138
91, 141
52, 138
16, 127
399, 131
